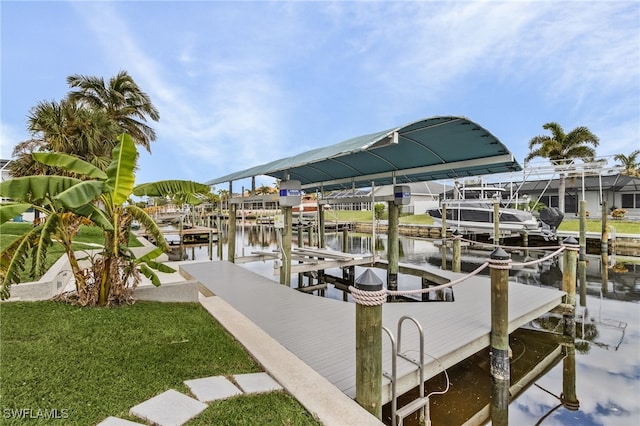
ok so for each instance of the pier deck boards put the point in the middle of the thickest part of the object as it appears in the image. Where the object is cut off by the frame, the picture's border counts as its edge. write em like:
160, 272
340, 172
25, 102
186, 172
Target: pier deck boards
321, 331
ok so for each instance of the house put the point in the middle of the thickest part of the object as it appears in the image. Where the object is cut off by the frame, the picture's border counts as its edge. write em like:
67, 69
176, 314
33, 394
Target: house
27, 216
617, 190
424, 196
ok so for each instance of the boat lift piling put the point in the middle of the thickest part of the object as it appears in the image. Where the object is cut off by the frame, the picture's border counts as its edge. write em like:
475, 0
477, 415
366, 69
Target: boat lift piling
604, 249
499, 264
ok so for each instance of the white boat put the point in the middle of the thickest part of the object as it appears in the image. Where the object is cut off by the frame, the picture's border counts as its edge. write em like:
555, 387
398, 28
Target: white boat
475, 212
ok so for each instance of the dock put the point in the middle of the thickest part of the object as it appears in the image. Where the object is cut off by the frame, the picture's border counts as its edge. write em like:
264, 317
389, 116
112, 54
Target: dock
189, 235
321, 331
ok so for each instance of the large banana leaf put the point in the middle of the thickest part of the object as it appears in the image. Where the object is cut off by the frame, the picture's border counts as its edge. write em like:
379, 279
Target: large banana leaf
150, 226
9, 211
13, 259
96, 215
39, 260
69, 163
36, 188
170, 187
121, 176
83, 193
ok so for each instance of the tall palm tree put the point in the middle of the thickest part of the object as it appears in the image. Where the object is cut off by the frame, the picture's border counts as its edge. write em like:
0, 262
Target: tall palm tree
629, 162
64, 127
563, 148
122, 100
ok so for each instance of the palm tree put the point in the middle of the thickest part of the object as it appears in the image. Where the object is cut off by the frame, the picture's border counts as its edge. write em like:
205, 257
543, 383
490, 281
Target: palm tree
629, 162
64, 127
122, 100
562, 148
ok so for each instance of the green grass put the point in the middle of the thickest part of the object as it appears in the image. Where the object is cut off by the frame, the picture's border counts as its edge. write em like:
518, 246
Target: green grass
99, 362
595, 225
86, 239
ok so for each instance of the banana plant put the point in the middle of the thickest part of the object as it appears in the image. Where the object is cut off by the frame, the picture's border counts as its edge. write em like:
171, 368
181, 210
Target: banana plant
94, 197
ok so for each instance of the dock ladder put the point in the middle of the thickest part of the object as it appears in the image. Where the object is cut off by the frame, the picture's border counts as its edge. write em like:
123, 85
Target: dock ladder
422, 402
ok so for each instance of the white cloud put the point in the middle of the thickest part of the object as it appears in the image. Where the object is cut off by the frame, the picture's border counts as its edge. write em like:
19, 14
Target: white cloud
9, 138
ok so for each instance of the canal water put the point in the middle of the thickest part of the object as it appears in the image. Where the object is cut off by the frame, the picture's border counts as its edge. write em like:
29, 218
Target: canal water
603, 368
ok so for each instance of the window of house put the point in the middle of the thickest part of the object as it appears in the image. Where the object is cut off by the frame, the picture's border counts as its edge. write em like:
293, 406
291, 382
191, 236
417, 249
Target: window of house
630, 201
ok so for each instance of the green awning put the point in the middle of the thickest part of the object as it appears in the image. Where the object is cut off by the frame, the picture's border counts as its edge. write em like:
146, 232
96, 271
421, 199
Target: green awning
429, 149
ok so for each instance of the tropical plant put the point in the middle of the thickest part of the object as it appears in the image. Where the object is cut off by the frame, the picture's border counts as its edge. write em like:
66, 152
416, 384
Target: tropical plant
64, 127
96, 197
618, 213
122, 100
562, 149
265, 190
629, 162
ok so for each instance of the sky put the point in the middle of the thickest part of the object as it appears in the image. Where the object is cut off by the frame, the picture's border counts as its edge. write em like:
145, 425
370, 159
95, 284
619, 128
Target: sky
242, 83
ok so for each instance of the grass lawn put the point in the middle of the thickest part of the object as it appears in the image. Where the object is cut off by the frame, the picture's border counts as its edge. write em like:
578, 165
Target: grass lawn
91, 363
593, 225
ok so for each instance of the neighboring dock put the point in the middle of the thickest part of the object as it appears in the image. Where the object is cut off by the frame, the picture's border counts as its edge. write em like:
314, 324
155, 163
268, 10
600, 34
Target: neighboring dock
321, 331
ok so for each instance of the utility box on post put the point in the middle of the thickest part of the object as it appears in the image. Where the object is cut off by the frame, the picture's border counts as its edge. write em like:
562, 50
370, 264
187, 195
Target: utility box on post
290, 193
401, 195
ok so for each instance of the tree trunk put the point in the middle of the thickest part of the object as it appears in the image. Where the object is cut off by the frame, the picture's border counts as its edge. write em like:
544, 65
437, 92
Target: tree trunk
561, 190
81, 283
103, 295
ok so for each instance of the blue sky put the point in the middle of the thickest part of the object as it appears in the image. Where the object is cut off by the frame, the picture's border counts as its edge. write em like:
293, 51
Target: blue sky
239, 84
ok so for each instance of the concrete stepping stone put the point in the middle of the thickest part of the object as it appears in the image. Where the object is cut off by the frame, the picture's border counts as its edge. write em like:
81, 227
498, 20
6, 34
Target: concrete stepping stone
170, 408
212, 388
256, 382
117, 421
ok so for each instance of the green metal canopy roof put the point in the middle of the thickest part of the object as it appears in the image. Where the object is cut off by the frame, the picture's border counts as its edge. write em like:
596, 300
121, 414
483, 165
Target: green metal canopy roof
433, 148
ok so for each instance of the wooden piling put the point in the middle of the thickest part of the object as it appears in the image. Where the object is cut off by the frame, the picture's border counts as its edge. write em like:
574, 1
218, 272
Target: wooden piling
345, 240
582, 256
443, 235
499, 352
569, 285
231, 243
456, 263
496, 223
369, 347
321, 218
393, 248
219, 242
300, 230
604, 248
285, 267
569, 395
180, 235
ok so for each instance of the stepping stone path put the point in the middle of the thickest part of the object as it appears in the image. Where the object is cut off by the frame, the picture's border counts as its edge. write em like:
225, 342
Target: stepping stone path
172, 408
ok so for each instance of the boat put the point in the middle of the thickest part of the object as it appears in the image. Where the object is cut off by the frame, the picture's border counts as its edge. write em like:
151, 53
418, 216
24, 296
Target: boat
308, 207
474, 213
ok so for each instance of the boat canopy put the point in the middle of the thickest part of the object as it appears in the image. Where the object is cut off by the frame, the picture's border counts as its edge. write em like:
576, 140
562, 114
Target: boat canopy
442, 147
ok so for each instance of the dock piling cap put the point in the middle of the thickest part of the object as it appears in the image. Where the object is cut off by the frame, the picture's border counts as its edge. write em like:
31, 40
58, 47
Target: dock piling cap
570, 241
500, 254
368, 281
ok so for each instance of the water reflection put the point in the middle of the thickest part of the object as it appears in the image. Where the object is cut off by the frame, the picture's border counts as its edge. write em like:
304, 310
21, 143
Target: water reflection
606, 356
